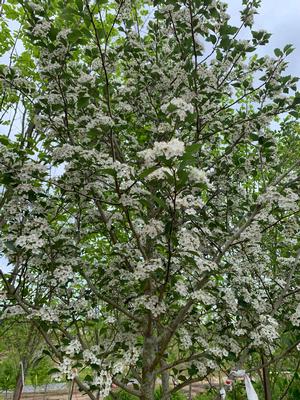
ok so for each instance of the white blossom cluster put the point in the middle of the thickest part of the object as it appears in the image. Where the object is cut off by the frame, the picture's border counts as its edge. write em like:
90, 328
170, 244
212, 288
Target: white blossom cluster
197, 175
266, 332
103, 380
153, 209
144, 269
42, 28
30, 242
46, 313
181, 106
65, 370
152, 229
63, 273
295, 318
189, 203
74, 347
12, 311
173, 148
152, 304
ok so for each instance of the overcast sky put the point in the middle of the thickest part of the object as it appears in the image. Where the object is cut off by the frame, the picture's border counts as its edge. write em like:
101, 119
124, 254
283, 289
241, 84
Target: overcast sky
279, 17
282, 19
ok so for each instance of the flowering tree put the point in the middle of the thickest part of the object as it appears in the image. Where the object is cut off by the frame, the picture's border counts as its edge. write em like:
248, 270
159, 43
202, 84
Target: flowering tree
149, 208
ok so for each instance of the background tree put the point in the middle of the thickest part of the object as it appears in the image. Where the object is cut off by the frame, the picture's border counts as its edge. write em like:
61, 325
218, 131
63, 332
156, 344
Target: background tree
152, 218
20, 343
8, 375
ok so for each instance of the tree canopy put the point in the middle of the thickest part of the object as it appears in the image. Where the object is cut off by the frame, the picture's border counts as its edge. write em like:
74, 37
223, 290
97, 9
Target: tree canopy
149, 190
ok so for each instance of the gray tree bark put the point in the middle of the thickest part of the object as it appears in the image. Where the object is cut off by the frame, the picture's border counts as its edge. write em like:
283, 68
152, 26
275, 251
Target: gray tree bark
19, 385
266, 380
148, 374
165, 383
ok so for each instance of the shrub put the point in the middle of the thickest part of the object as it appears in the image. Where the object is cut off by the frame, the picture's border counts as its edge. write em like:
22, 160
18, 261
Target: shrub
8, 374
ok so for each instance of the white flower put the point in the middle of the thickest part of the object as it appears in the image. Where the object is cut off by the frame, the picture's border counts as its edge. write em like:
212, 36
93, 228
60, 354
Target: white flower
203, 297
46, 313
173, 148
159, 174
295, 318
266, 331
143, 269
110, 319
42, 28
35, 6
63, 273
181, 288
30, 242
198, 175
185, 339
65, 368
96, 64
104, 381
152, 304
85, 78
74, 347
189, 203
13, 310
63, 34
90, 357
153, 229
182, 107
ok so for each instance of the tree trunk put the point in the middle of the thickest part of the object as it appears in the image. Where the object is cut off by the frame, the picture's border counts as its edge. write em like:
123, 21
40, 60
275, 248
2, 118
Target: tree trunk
71, 390
165, 383
148, 375
19, 385
266, 380
27, 359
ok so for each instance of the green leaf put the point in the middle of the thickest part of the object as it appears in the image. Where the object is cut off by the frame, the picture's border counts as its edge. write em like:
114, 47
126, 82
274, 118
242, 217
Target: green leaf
88, 378
296, 98
278, 52
225, 42
10, 12
213, 39
83, 102
158, 201
4, 140
7, 178
74, 35
288, 49
53, 371
10, 245
147, 172
108, 171
79, 4
192, 149
228, 29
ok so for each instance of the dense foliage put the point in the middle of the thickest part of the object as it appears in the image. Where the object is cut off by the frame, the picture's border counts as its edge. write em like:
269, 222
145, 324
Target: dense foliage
149, 205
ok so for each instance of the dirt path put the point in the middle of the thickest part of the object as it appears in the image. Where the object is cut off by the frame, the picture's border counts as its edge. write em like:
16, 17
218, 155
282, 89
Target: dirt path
55, 395
64, 393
